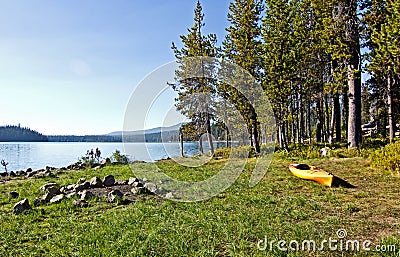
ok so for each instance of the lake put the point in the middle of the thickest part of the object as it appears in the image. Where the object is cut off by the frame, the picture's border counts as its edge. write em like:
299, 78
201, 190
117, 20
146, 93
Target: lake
21, 156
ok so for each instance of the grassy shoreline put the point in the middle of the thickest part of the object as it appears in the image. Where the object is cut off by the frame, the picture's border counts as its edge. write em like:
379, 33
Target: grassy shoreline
280, 207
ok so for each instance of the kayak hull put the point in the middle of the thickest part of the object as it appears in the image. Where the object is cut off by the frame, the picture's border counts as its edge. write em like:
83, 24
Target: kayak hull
313, 173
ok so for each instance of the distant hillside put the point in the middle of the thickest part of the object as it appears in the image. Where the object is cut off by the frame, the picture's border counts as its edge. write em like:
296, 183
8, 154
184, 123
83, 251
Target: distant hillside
151, 135
18, 134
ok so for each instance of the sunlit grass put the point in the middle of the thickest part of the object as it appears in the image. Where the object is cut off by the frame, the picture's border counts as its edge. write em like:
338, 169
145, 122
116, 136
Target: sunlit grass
231, 224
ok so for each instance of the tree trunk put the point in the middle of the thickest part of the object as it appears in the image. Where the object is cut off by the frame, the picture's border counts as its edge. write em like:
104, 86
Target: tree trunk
209, 137
332, 125
338, 118
354, 76
201, 151
392, 124
181, 142
318, 134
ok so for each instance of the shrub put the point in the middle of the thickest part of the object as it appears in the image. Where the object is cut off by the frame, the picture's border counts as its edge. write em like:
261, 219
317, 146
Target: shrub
240, 152
387, 158
91, 157
119, 158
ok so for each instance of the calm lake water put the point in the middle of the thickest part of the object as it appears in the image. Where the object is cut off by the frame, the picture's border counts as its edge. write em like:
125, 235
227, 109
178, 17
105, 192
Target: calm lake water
21, 156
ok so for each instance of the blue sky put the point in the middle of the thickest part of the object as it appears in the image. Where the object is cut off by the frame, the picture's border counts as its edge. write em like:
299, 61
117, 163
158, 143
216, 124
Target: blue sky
69, 67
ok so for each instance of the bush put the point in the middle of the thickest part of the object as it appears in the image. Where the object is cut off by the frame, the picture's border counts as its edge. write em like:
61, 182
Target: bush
119, 158
91, 157
387, 158
240, 152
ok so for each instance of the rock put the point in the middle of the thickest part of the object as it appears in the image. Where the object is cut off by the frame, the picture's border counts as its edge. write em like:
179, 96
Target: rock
105, 161
20, 173
62, 190
13, 194
47, 197
37, 202
324, 151
80, 203
70, 187
137, 184
32, 173
114, 196
139, 190
86, 195
57, 198
96, 182
97, 167
29, 170
49, 185
81, 181
81, 187
109, 181
70, 195
12, 174
132, 180
49, 174
3, 174
121, 182
169, 195
22, 206
151, 187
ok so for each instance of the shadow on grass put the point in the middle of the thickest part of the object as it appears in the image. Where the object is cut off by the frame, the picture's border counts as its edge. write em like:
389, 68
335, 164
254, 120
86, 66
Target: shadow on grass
338, 182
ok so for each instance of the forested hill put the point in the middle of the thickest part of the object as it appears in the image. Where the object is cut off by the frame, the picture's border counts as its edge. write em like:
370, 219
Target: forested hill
18, 134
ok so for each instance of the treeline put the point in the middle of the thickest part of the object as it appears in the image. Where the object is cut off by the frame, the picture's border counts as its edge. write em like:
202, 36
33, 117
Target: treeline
18, 134
137, 138
309, 57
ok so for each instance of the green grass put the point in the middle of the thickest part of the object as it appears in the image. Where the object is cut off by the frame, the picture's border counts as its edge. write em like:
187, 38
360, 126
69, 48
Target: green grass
230, 224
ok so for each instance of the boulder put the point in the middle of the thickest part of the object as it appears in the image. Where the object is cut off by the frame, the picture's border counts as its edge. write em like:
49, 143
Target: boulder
81, 181
20, 173
13, 194
169, 195
80, 203
86, 195
31, 174
96, 182
105, 161
12, 174
114, 196
47, 197
57, 198
37, 202
137, 184
151, 187
49, 186
81, 187
139, 190
70, 187
70, 195
29, 170
109, 181
132, 181
121, 182
22, 206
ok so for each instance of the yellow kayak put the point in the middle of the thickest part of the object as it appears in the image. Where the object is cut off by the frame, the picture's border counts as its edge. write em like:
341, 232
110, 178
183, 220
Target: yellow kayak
312, 173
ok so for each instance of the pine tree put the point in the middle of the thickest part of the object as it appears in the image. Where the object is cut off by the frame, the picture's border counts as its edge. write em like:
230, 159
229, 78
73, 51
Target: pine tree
195, 93
382, 19
242, 46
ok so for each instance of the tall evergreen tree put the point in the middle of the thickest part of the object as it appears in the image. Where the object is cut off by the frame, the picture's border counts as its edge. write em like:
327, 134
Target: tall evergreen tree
383, 21
242, 46
195, 93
